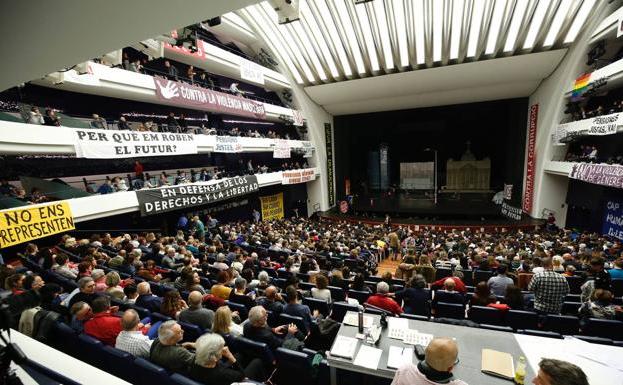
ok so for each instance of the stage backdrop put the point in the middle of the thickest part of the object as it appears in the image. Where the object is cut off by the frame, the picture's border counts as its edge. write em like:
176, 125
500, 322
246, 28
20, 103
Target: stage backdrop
417, 176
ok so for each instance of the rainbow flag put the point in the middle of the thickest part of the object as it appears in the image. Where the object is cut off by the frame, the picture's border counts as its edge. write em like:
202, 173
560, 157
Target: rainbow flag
580, 86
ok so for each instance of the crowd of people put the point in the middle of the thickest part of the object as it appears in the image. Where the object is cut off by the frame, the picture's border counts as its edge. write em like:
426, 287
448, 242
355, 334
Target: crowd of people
590, 154
207, 263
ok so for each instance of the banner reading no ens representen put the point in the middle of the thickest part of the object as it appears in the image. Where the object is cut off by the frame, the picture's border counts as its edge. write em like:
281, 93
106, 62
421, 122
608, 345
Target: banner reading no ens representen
26, 224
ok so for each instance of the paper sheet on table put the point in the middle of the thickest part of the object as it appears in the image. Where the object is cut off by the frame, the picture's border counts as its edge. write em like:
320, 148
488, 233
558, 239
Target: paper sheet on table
368, 357
397, 323
353, 320
344, 347
534, 349
594, 352
399, 356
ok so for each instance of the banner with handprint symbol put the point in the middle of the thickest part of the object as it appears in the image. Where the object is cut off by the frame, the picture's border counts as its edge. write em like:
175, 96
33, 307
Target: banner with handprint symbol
187, 95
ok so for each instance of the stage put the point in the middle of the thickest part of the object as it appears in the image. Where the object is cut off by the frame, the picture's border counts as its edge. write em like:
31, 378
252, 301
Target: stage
453, 211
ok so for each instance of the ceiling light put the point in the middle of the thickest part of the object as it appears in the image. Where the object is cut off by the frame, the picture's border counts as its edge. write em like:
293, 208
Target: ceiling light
474, 31
327, 19
457, 25
420, 48
494, 27
513, 31
362, 15
401, 30
381, 18
580, 18
554, 29
437, 29
310, 22
350, 34
535, 25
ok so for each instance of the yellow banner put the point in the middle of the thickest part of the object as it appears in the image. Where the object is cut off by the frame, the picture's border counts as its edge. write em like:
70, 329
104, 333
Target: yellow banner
27, 223
272, 207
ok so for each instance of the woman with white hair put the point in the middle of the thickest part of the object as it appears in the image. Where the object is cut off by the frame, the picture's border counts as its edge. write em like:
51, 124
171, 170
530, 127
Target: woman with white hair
209, 369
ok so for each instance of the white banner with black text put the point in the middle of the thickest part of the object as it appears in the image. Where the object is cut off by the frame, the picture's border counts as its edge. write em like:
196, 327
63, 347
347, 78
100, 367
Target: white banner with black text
600, 125
108, 144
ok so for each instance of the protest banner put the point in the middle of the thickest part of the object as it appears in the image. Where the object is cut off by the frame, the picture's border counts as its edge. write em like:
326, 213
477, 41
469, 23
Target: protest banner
603, 174
511, 212
165, 199
227, 144
298, 176
281, 149
272, 207
107, 144
613, 219
25, 224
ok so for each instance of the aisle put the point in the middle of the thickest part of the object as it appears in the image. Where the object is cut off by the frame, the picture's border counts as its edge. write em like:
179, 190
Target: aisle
387, 265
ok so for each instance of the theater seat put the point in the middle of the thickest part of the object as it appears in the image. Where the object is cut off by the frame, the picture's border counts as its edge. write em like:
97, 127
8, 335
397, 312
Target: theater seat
89, 350
604, 328
339, 309
292, 365
317, 304
442, 272
617, 287
361, 296
119, 363
178, 379
575, 284
156, 317
142, 312
150, 373
65, 339
240, 308
521, 319
485, 315
286, 319
449, 310
337, 293
563, 324
257, 350
191, 331
570, 308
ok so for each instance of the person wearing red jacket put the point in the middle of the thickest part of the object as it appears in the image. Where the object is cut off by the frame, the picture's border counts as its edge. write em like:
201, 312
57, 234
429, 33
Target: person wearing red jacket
382, 300
104, 325
458, 283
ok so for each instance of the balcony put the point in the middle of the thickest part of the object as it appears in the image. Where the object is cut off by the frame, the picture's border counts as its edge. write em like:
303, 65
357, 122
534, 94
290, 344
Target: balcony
97, 79
30, 139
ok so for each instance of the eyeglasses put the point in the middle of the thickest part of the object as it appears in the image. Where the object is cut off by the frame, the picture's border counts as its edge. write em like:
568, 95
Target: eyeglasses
456, 362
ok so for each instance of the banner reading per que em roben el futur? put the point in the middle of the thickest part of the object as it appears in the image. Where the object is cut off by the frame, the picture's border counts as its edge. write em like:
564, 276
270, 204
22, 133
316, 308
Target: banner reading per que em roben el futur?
25, 224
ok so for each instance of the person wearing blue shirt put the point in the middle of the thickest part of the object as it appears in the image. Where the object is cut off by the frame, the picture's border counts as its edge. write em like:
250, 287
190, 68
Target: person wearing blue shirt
294, 308
617, 272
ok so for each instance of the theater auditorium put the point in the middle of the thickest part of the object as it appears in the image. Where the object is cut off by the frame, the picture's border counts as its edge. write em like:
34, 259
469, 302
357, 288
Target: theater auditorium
311, 192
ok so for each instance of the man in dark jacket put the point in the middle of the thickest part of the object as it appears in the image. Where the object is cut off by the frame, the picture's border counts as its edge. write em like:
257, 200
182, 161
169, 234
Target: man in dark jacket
257, 329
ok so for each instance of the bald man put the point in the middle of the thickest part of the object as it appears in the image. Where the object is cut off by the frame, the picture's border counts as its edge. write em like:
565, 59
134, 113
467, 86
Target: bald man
146, 299
441, 357
196, 314
132, 339
272, 300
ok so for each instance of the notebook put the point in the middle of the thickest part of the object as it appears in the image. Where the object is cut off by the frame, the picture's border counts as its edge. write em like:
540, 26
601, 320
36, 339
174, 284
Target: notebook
344, 347
498, 364
399, 356
368, 357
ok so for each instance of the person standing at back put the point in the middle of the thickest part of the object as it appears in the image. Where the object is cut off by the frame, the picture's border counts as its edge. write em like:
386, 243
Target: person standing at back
550, 289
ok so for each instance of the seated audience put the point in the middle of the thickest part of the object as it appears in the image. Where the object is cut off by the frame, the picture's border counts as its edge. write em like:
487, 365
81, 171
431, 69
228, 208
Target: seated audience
86, 287
321, 291
416, 300
359, 283
295, 308
80, 313
600, 306
482, 295
459, 285
498, 283
223, 323
196, 314
238, 295
448, 294
113, 289
514, 298
172, 304
220, 289
382, 300
166, 350
272, 300
426, 269
257, 329
131, 339
441, 356
104, 325
146, 299
209, 367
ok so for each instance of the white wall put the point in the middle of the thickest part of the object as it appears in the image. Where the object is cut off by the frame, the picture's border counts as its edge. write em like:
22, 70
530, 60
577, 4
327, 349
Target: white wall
550, 190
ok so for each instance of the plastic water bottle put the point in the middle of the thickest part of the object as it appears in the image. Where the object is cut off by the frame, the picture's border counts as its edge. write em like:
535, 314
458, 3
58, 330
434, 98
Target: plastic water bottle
360, 320
520, 371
